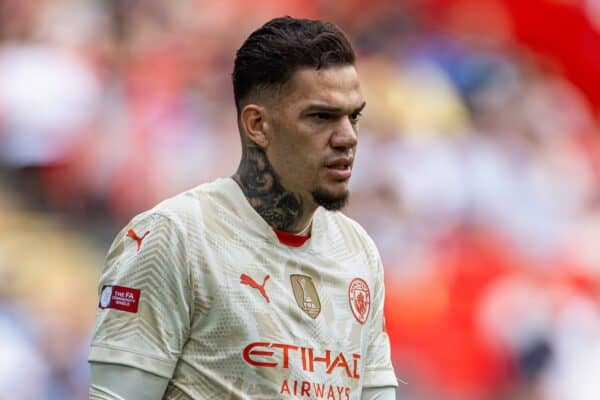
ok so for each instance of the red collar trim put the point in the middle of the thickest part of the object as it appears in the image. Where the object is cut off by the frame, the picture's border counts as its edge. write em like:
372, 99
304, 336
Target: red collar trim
290, 239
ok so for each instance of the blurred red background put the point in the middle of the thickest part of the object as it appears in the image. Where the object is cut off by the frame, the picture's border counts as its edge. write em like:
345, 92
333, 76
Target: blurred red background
478, 174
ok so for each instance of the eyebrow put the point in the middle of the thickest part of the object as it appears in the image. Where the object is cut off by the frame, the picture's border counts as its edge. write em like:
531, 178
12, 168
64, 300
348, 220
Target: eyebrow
333, 110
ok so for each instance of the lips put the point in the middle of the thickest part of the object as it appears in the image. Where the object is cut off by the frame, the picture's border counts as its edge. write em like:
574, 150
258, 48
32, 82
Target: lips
340, 168
340, 163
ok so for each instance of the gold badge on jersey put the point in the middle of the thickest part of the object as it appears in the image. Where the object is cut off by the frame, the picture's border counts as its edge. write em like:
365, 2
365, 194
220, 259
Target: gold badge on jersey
306, 295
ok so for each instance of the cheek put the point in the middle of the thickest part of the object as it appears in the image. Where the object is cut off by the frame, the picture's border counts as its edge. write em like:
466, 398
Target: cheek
300, 153
301, 167
302, 164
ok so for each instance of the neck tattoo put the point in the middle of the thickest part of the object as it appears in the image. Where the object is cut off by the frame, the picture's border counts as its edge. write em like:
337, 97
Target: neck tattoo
259, 182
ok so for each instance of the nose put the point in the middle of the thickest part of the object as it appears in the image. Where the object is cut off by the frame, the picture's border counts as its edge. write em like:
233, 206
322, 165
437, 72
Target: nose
344, 136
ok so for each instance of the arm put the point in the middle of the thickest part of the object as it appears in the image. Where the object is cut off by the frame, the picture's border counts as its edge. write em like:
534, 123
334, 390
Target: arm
379, 393
120, 382
144, 313
379, 371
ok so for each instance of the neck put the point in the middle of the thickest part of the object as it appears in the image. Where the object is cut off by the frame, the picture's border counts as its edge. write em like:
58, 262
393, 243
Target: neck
282, 209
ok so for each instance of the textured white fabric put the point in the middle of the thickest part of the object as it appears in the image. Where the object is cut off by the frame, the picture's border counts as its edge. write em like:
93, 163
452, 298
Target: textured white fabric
379, 393
226, 311
98, 392
120, 382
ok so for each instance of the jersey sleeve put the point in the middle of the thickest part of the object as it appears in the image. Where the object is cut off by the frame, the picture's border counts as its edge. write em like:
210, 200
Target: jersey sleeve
379, 393
379, 370
143, 316
119, 382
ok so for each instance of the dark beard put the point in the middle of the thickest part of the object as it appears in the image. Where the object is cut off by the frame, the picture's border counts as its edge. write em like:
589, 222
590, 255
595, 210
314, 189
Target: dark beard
329, 201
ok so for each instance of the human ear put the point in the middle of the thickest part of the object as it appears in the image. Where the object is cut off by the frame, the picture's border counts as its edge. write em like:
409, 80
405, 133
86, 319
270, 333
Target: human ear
253, 120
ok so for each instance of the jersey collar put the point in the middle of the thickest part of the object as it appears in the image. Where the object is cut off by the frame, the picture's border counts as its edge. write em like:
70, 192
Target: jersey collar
291, 239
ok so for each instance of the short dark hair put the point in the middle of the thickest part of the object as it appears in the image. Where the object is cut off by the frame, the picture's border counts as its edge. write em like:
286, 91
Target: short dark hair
271, 54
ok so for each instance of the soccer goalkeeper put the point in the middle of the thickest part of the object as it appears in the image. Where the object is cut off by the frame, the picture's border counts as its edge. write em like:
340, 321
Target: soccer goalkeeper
255, 286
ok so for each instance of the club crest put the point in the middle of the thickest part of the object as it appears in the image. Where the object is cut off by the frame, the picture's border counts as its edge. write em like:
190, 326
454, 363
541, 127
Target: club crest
306, 295
359, 297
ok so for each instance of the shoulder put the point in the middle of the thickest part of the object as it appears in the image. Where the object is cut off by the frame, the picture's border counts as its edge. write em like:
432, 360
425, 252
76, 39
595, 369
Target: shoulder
189, 207
179, 219
170, 228
353, 234
345, 222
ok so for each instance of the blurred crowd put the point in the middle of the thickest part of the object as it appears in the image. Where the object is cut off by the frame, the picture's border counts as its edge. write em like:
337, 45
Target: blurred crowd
478, 175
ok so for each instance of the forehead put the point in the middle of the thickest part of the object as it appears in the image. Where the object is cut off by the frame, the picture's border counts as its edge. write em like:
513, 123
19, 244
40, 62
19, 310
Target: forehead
334, 86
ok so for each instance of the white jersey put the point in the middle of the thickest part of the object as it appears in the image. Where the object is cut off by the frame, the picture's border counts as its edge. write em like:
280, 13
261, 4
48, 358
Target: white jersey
201, 291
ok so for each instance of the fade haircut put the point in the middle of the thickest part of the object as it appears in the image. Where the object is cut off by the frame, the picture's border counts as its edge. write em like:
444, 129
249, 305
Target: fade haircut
271, 54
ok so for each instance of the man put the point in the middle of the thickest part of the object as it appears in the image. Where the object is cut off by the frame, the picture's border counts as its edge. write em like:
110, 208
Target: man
254, 286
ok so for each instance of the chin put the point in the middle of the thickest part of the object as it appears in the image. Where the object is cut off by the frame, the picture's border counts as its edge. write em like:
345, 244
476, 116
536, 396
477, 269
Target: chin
330, 200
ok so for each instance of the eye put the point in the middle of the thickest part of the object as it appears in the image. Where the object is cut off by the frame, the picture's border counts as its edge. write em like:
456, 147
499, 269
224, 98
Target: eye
323, 116
354, 117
